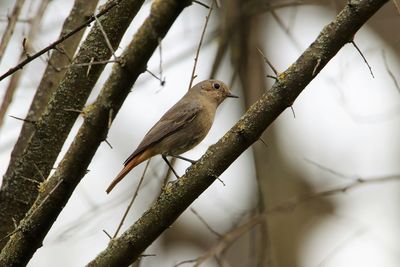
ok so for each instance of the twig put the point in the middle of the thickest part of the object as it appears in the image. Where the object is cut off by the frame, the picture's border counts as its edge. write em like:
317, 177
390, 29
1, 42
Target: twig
39, 171
155, 76
106, 38
132, 200
15, 79
327, 169
60, 40
108, 143
21, 225
107, 234
192, 77
103, 62
262, 141
365, 60
226, 241
295, 201
21, 119
268, 63
205, 223
294, 113
162, 80
200, 3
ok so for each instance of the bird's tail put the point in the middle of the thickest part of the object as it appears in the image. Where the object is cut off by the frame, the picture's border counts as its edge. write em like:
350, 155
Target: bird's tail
127, 168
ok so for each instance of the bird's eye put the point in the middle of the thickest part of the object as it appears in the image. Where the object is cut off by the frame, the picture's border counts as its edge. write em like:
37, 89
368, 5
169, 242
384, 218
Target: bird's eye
216, 85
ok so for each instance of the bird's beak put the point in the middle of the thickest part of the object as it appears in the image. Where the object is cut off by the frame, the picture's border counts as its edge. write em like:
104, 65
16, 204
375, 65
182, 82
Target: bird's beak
232, 95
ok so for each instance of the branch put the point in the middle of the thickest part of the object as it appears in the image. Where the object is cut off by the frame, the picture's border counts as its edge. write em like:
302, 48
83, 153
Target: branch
52, 128
180, 194
53, 73
60, 40
93, 131
15, 79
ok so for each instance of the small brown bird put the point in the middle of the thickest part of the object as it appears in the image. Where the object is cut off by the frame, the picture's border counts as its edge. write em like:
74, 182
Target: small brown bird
182, 127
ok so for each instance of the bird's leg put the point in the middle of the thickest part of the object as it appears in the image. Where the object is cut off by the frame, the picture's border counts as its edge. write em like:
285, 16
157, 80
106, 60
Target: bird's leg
170, 166
183, 158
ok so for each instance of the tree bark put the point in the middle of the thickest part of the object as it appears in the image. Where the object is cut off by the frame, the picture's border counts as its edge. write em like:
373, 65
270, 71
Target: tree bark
20, 189
178, 195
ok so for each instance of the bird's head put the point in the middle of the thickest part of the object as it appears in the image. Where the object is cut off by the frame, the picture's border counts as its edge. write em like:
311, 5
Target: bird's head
213, 89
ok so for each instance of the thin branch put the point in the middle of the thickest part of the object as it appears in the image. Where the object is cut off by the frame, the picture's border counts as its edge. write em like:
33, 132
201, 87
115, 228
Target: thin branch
268, 63
292, 203
24, 120
15, 79
59, 41
226, 241
205, 223
201, 3
362, 55
162, 80
106, 38
193, 76
132, 200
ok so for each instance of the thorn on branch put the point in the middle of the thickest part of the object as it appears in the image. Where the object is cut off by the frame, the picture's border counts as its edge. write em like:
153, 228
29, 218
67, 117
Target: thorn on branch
89, 66
110, 118
269, 64
107, 234
201, 4
108, 143
294, 114
162, 82
74, 110
39, 171
365, 60
316, 67
262, 141
24, 120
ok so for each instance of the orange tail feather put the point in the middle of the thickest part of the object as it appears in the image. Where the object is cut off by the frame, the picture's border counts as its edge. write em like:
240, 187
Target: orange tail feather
127, 168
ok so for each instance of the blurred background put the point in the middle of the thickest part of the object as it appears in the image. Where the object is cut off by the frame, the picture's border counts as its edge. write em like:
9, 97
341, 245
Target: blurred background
345, 126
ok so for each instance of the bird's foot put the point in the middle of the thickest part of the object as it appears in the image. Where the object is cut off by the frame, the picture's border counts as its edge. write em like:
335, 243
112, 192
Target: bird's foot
183, 158
170, 166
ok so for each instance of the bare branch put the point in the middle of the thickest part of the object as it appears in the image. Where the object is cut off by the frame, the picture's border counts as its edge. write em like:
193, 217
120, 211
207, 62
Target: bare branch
193, 76
365, 60
132, 200
59, 41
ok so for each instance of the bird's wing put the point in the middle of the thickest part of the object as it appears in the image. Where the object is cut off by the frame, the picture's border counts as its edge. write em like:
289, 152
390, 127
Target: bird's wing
173, 120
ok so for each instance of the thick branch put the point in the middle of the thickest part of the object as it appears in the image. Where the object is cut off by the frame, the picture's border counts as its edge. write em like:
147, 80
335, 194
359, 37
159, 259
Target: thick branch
54, 71
179, 195
19, 188
57, 190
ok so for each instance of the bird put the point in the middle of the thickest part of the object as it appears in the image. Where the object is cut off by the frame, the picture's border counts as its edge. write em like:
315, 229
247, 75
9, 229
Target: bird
181, 128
